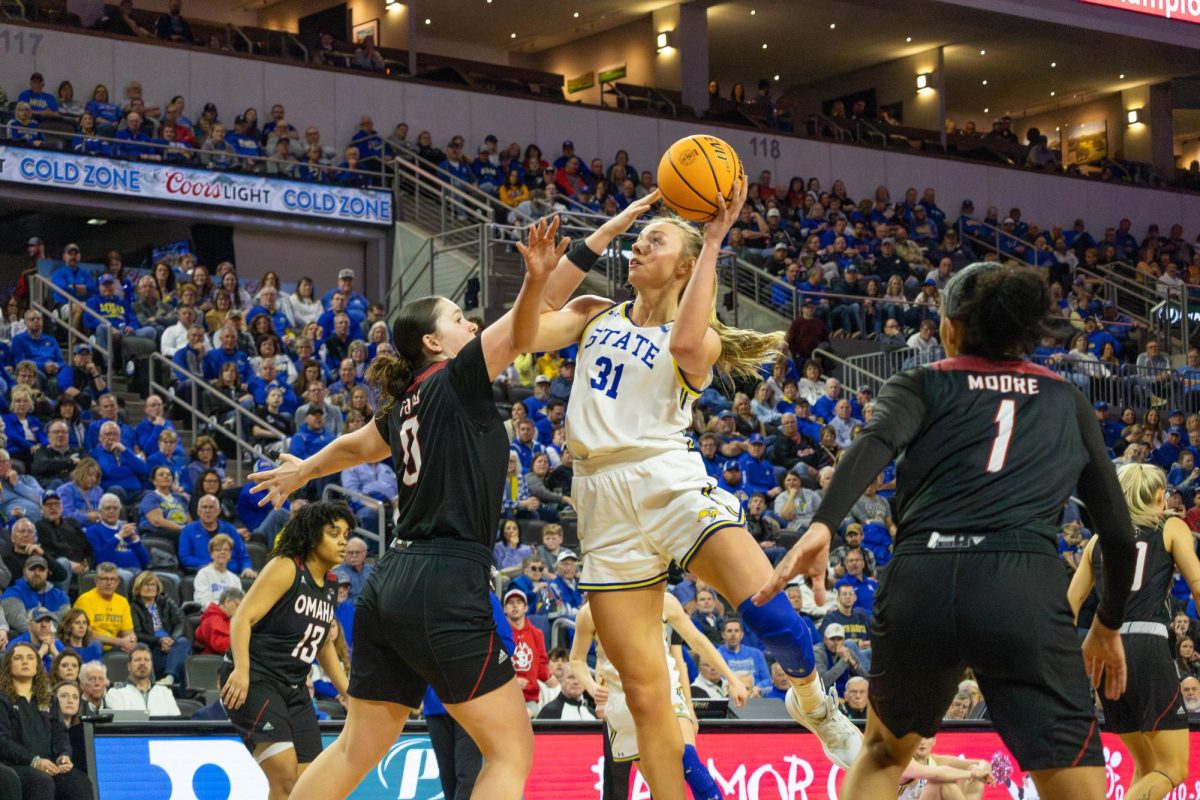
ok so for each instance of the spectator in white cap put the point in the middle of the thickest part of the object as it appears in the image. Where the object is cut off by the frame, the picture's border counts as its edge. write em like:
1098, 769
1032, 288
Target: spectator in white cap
839, 660
535, 404
356, 303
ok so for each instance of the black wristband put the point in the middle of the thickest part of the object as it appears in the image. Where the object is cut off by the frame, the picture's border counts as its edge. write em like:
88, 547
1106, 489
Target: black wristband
582, 256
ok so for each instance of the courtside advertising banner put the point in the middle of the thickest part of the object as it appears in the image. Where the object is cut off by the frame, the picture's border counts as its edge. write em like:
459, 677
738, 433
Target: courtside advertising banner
174, 184
776, 765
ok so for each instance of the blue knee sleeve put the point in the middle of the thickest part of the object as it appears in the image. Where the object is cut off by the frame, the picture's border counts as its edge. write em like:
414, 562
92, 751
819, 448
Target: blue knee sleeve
696, 774
785, 635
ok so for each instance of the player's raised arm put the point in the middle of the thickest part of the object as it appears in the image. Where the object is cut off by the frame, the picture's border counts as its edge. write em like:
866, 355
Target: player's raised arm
364, 446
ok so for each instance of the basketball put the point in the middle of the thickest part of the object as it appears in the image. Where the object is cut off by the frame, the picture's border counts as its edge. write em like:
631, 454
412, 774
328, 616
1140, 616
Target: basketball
694, 171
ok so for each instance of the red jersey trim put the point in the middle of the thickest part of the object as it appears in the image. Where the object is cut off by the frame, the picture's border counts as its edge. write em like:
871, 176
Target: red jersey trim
428, 373
979, 364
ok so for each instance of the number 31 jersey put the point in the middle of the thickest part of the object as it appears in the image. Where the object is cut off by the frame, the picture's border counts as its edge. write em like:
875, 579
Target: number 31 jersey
628, 396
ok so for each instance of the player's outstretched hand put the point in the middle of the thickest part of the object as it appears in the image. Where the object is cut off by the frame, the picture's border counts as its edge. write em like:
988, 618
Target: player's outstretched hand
727, 214
1104, 658
541, 254
809, 556
625, 219
280, 483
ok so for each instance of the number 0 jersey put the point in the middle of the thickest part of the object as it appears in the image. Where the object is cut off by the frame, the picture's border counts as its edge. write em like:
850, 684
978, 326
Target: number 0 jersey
628, 399
449, 451
284, 643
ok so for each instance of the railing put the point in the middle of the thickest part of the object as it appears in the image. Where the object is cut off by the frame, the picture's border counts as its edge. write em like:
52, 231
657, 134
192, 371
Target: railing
436, 197
853, 374
377, 536
994, 236
43, 287
1128, 384
199, 388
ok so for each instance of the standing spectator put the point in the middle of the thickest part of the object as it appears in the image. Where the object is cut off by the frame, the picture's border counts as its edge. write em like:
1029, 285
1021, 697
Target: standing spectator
158, 623
529, 658
33, 741
212, 634
172, 26
108, 612
748, 663
141, 693
115, 542
215, 577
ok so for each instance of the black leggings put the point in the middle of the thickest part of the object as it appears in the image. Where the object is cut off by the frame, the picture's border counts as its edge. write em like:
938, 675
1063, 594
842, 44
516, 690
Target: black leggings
37, 785
458, 759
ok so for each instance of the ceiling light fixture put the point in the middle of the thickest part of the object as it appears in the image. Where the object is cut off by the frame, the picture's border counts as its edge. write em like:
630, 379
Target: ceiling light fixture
1053, 64
832, 25
97, 221
428, 21
1121, 76
1052, 94
923, 81
776, 77
985, 81
512, 36
753, 12
908, 38
986, 110
764, 45
983, 52
575, 15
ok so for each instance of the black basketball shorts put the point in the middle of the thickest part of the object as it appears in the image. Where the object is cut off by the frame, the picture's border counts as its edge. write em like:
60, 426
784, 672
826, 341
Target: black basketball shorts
276, 712
1005, 615
1153, 700
425, 619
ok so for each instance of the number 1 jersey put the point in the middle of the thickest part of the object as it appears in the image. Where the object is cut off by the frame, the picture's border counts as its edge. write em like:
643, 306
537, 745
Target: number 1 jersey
628, 399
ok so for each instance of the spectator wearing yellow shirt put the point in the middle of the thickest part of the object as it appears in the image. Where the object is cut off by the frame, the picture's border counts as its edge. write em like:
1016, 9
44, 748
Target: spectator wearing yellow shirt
110, 615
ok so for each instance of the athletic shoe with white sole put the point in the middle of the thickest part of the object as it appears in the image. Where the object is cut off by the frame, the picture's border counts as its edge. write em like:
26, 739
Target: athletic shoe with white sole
840, 738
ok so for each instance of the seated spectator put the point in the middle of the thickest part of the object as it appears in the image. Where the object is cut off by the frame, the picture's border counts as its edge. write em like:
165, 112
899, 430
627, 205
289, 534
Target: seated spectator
81, 379
854, 699
158, 623
268, 305
43, 104
33, 344
268, 377
205, 457
195, 536
32, 590
141, 693
707, 616
36, 744
565, 597
218, 153
709, 682
122, 471
748, 663
66, 665
133, 140
167, 453
855, 576
146, 434
246, 144
856, 623
20, 495
529, 648
107, 410
75, 632
215, 577
310, 439
23, 545
23, 128
839, 660
780, 683
212, 634
53, 463
550, 503
509, 552
108, 612
117, 542
570, 704
39, 634
62, 538
93, 678
171, 26
163, 512
228, 351
355, 570
179, 335
854, 540
81, 497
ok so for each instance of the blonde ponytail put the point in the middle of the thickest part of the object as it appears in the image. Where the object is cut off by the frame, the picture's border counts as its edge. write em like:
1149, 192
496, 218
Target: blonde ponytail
1142, 484
743, 351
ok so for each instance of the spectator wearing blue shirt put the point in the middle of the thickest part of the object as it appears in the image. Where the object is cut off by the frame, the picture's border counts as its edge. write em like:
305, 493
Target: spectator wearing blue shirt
23, 128
369, 144
1167, 453
147, 433
309, 439
838, 660
864, 587
525, 445
122, 471
268, 304
377, 481
193, 539
245, 144
486, 172
122, 322
31, 590
783, 291
1098, 337
215, 359
162, 512
824, 408
33, 344
712, 459
133, 142
733, 481
20, 495
758, 474
356, 304
339, 303
25, 431
745, 662
117, 542
267, 379
43, 104
454, 168
354, 570
75, 282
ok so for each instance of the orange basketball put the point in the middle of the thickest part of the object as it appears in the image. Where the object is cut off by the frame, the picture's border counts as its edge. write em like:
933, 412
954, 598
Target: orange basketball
694, 171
